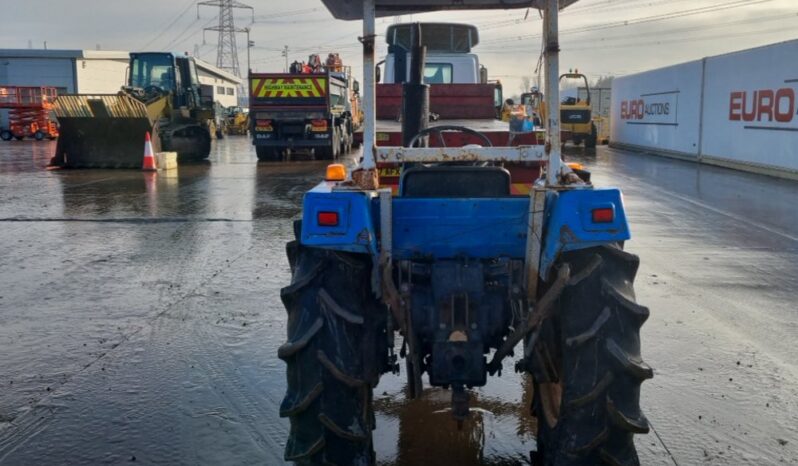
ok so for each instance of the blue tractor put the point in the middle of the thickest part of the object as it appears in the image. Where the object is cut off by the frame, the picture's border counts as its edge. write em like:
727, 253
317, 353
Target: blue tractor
465, 272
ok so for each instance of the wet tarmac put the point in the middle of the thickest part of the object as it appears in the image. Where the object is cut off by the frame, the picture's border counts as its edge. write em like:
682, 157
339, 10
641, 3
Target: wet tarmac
140, 317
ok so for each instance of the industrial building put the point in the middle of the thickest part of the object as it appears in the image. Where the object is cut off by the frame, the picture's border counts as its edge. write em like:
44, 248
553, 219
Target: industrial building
96, 72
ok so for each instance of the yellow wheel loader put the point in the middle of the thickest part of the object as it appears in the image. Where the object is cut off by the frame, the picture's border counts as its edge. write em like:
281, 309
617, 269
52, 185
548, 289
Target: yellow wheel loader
236, 121
162, 96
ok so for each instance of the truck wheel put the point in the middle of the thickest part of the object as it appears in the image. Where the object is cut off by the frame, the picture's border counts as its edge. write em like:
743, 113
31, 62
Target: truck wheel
329, 152
590, 141
334, 329
336, 144
587, 365
38, 135
343, 139
6, 135
267, 154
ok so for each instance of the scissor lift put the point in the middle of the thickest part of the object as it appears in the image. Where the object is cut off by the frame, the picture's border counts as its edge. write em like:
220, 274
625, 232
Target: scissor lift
29, 112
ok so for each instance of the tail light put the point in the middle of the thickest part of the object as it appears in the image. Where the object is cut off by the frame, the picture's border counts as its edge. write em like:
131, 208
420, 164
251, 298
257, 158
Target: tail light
318, 125
327, 219
263, 125
603, 215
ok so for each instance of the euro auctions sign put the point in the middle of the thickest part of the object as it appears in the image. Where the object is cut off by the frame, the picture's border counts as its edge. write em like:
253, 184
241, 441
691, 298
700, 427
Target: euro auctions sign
651, 109
764, 108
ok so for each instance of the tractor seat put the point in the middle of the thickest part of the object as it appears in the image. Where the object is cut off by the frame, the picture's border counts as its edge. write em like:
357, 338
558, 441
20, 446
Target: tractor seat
454, 181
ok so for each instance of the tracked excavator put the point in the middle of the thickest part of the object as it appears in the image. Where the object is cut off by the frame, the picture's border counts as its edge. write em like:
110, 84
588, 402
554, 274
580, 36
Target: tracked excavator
161, 96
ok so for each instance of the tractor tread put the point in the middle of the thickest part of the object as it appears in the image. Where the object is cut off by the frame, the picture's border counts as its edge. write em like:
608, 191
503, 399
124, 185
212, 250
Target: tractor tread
302, 282
301, 404
591, 445
348, 260
582, 338
291, 454
328, 303
291, 347
348, 380
637, 425
346, 434
593, 340
593, 394
333, 357
625, 256
641, 313
586, 271
632, 365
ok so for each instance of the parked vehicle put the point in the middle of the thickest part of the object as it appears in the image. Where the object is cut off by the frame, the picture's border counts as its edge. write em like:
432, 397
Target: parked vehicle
464, 270
162, 97
314, 107
576, 115
29, 112
236, 121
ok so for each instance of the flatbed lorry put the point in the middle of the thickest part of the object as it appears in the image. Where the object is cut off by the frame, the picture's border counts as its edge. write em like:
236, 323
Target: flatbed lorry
460, 95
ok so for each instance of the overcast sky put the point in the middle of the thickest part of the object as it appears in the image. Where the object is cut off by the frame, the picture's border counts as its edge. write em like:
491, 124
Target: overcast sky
617, 36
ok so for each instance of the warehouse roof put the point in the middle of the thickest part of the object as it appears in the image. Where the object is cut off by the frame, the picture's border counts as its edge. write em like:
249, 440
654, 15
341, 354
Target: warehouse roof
106, 55
86, 54
226, 75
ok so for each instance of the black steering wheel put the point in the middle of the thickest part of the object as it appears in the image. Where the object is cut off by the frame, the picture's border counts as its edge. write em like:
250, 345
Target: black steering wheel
153, 90
441, 128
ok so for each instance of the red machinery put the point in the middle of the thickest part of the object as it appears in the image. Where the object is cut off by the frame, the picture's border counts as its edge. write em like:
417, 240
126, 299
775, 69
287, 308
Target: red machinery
29, 112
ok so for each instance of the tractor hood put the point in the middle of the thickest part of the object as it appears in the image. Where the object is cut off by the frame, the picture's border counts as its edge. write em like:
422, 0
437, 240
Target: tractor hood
353, 9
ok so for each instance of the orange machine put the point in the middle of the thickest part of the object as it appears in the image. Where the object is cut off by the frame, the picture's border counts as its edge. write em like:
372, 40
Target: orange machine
29, 114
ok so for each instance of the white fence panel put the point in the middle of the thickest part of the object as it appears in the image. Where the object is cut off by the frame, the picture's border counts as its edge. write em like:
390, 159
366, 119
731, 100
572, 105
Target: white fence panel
659, 109
751, 106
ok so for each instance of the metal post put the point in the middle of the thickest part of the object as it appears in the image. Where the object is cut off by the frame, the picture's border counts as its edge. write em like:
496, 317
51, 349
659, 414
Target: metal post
249, 46
552, 67
285, 54
369, 93
700, 153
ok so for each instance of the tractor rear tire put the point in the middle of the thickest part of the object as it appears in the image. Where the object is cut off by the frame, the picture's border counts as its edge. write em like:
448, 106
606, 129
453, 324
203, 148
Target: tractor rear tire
267, 154
587, 365
336, 329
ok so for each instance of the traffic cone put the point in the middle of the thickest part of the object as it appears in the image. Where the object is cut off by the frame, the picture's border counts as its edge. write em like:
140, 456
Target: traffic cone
149, 158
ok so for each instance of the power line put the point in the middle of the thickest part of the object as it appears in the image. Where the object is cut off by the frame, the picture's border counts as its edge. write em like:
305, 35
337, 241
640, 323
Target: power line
179, 39
688, 39
227, 49
641, 20
602, 42
169, 26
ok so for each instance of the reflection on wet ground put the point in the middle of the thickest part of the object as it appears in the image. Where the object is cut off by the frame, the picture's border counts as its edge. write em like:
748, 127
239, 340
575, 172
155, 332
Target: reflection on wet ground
140, 317
500, 431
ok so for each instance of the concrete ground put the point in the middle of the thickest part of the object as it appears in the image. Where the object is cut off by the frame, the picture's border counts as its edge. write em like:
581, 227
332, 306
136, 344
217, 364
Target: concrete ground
140, 317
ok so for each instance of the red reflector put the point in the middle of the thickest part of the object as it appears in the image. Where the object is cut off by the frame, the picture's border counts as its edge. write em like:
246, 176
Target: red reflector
327, 219
603, 215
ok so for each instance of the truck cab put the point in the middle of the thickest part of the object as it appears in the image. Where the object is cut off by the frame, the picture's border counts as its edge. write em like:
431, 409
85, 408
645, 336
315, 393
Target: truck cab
449, 57
153, 73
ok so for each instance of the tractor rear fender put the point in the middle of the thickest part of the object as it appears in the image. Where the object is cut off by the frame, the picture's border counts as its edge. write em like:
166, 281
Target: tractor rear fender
340, 220
480, 228
580, 219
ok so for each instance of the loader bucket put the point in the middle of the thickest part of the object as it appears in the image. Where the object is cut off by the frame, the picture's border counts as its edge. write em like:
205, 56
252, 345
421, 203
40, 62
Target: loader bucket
103, 131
